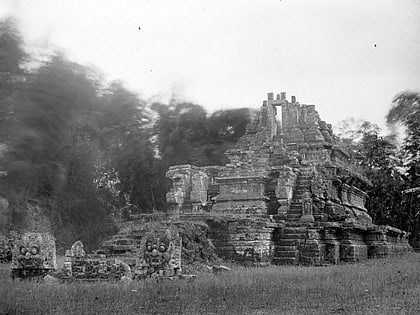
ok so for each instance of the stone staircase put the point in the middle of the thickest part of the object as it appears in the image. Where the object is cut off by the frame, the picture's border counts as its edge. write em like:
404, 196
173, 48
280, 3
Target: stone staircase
302, 185
286, 249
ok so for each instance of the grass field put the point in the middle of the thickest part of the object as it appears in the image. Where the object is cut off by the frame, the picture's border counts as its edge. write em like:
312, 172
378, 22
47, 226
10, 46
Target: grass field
384, 286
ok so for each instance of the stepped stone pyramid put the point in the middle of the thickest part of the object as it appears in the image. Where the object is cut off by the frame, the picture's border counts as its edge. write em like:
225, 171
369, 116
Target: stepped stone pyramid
289, 195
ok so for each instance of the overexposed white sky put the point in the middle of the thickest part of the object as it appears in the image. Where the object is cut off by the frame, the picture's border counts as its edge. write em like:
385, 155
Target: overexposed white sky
348, 57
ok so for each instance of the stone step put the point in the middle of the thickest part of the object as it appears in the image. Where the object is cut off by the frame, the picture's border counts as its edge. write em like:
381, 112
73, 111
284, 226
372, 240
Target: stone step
280, 248
296, 202
294, 229
296, 225
293, 216
293, 236
295, 213
296, 206
299, 193
302, 186
303, 183
307, 172
306, 168
291, 254
295, 210
285, 261
288, 242
306, 175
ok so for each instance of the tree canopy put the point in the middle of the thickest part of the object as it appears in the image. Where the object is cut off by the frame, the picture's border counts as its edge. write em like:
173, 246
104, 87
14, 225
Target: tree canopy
83, 148
405, 110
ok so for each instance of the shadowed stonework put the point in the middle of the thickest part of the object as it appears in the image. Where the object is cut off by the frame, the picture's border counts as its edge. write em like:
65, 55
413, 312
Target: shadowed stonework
290, 194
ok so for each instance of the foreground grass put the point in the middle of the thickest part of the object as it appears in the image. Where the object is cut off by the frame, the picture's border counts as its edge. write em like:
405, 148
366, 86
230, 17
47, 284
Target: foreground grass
387, 286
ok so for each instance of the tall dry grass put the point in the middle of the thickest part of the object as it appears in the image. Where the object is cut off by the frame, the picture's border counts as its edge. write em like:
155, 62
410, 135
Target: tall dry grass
387, 286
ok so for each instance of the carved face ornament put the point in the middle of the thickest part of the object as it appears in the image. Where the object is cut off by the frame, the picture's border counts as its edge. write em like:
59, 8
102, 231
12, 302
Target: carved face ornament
29, 255
158, 250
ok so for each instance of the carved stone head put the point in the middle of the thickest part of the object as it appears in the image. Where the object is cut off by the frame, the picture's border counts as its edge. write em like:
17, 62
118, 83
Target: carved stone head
160, 253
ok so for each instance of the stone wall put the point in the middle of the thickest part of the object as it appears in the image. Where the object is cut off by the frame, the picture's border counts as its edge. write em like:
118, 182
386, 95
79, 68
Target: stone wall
248, 240
337, 242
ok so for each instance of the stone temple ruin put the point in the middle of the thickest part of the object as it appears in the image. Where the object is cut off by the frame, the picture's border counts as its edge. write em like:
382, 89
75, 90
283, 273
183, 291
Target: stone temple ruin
289, 195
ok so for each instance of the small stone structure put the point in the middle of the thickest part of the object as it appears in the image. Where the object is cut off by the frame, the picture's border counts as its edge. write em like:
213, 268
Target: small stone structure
290, 194
33, 255
160, 254
79, 266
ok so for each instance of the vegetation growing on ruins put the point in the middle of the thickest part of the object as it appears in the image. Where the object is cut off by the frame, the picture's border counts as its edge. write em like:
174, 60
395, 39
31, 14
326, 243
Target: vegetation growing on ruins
79, 149
386, 286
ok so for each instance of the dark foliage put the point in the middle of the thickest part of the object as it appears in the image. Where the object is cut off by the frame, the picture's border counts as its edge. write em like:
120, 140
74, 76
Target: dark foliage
82, 150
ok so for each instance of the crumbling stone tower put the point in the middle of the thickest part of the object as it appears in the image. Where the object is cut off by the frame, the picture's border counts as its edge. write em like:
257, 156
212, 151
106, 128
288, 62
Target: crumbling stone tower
290, 194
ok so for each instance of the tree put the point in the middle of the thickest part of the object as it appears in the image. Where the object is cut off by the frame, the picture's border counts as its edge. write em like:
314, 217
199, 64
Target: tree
127, 142
378, 156
181, 133
53, 149
187, 135
47, 125
12, 74
224, 129
405, 110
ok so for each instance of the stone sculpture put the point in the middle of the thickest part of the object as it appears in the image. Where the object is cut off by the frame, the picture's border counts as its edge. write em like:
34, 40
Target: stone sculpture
160, 254
33, 256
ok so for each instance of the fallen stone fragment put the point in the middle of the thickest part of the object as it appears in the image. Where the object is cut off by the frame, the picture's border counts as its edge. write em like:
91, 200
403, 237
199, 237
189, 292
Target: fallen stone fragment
48, 279
220, 268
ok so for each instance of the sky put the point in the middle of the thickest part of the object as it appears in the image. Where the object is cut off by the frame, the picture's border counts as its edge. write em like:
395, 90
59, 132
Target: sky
349, 58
